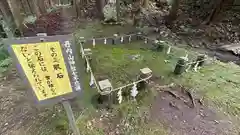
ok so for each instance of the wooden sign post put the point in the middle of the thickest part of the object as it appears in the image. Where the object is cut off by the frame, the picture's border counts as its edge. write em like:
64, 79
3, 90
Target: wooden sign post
48, 64
71, 118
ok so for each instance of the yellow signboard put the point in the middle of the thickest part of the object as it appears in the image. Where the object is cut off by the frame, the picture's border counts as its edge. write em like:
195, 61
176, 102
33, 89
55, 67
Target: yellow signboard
44, 67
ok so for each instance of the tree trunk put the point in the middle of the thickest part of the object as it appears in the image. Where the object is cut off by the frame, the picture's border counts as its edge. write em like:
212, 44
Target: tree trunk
118, 9
218, 6
18, 18
76, 7
6, 13
173, 12
41, 5
51, 3
46, 4
35, 8
99, 5
5, 10
145, 3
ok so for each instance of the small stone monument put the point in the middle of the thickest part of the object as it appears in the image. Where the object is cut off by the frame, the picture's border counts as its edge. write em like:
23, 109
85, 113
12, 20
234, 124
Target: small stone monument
105, 97
144, 73
109, 11
180, 66
105, 86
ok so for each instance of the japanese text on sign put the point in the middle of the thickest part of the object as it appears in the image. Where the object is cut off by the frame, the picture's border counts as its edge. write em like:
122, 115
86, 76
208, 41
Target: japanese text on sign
71, 62
44, 66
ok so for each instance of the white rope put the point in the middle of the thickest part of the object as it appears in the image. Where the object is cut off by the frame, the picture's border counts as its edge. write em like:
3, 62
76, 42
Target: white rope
148, 39
91, 83
90, 69
129, 35
130, 84
161, 41
191, 63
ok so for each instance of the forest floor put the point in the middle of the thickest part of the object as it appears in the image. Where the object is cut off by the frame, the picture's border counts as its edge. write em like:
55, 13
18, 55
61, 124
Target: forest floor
159, 110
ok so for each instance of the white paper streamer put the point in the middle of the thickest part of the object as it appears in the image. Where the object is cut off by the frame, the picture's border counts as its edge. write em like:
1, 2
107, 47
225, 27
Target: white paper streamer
82, 50
121, 39
186, 57
134, 91
120, 98
196, 67
130, 38
105, 41
145, 41
169, 50
91, 80
94, 42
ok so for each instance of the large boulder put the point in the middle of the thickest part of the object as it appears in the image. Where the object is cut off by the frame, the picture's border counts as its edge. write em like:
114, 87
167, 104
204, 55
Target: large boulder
109, 11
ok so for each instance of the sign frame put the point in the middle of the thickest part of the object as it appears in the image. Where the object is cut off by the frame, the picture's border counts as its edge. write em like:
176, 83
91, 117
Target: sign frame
61, 39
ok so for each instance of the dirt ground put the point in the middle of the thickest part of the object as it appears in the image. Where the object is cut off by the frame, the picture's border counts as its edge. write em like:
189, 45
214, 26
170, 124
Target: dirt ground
19, 114
16, 107
188, 115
